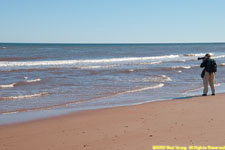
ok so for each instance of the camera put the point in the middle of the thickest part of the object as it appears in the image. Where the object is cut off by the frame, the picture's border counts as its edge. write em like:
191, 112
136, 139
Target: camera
201, 58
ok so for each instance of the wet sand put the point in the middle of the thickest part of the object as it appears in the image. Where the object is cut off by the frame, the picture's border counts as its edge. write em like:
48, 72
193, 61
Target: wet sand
182, 122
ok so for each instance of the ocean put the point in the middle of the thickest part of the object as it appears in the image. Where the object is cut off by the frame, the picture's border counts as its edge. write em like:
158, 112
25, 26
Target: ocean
46, 80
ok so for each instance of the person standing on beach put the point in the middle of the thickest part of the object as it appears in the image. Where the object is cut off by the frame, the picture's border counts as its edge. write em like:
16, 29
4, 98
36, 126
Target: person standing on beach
208, 74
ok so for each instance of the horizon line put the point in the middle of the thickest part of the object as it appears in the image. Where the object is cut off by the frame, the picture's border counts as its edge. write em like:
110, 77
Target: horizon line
113, 43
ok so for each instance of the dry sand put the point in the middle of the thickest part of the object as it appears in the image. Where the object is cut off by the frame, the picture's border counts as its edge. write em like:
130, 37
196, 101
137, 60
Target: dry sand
182, 122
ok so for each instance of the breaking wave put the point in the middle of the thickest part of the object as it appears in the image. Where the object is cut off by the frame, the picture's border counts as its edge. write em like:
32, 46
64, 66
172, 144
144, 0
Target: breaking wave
198, 55
7, 85
23, 96
99, 63
151, 63
181, 67
220, 56
71, 62
19, 83
153, 79
96, 67
35, 80
164, 78
141, 89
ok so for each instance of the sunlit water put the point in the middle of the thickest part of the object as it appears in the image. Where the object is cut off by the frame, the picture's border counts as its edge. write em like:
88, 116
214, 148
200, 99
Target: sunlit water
42, 80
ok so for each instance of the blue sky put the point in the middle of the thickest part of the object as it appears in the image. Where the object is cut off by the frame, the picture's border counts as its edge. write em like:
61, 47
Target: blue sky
112, 21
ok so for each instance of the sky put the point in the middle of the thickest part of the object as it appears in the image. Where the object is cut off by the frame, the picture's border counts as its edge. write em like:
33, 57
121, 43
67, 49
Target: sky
112, 21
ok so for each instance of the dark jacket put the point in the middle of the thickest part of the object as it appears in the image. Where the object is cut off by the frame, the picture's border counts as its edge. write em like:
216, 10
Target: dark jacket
204, 65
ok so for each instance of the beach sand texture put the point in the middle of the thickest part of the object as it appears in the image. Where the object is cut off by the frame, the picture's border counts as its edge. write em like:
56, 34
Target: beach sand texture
182, 122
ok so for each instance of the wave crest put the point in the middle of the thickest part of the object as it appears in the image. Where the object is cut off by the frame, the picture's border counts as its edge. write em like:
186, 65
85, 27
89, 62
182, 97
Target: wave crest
181, 67
99, 63
24, 96
19, 83
35, 80
71, 62
200, 54
7, 85
141, 89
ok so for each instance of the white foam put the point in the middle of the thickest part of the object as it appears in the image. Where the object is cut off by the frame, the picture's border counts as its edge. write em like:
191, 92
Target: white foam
7, 113
96, 67
181, 61
186, 67
192, 90
18, 83
151, 63
131, 70
7, 85
158, 78
164, 78
202, 55
182, 67
101, 63
35, 80
24, 96
142, 89
220, 56
112, 66
71, 62
198, 55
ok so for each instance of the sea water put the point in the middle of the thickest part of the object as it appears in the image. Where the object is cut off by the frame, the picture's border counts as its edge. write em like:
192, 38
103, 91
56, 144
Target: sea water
43, 80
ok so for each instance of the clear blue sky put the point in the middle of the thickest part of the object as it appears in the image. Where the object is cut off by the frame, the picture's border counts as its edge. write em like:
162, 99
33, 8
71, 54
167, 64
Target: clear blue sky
112, 21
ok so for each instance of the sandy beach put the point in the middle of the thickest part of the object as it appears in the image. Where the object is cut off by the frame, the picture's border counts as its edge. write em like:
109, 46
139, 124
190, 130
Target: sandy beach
112, 75
181, 122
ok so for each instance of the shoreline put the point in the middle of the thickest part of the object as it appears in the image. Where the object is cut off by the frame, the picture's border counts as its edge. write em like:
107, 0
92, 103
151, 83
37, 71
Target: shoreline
182, 122
94, 109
